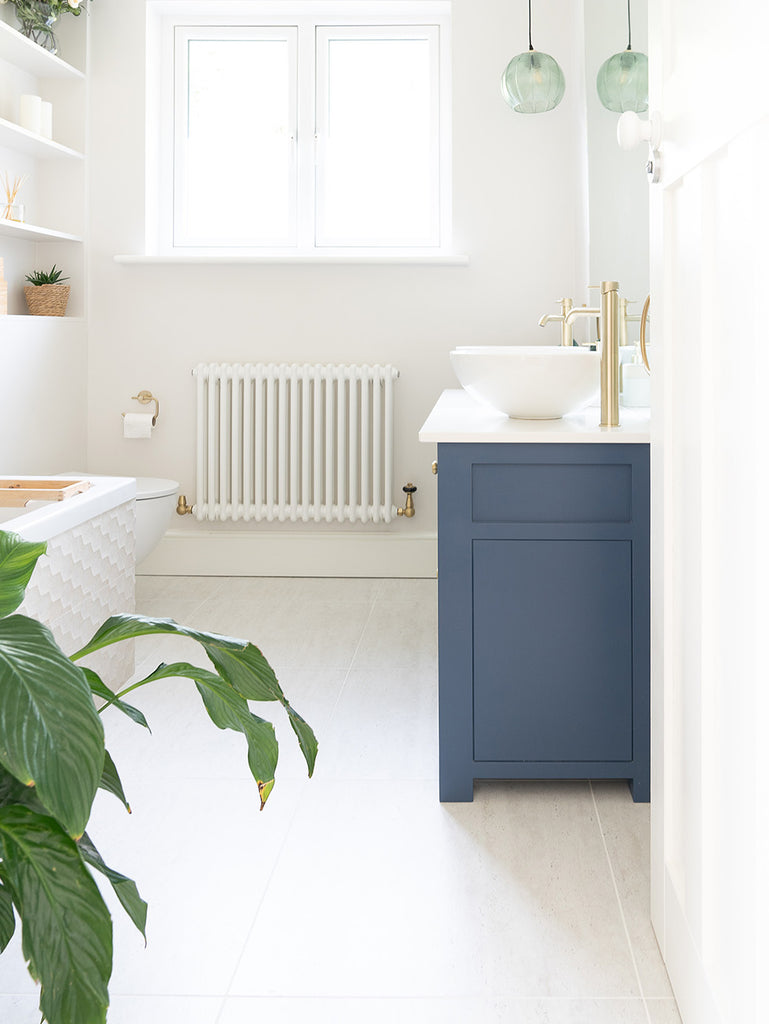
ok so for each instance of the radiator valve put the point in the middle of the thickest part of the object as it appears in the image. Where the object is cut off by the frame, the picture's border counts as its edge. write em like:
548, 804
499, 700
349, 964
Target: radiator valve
408, 509
182, 508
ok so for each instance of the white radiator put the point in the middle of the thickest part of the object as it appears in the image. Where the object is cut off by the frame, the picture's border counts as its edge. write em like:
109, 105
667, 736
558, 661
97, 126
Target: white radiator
293, 442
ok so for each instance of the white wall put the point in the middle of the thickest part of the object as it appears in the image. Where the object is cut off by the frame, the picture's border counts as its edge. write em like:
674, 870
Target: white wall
618, 187
518, 214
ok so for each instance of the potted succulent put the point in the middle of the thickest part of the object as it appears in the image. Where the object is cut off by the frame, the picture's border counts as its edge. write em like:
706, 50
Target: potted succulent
45, 293
53, 759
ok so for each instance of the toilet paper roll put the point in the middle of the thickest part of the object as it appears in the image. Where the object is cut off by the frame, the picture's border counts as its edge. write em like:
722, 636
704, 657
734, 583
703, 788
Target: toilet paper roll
31, 113
137, 424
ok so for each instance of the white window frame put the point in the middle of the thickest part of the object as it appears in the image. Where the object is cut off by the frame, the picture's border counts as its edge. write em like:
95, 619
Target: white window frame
163, 18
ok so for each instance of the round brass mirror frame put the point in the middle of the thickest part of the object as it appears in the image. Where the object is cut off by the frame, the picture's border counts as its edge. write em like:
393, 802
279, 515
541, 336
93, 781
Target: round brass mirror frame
644, 319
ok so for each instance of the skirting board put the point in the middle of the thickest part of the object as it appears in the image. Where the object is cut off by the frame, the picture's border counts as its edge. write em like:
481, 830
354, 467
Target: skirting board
205, 553
686, 971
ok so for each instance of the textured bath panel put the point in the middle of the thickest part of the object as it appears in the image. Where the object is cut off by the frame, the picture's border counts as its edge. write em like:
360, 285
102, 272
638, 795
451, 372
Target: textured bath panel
86, 575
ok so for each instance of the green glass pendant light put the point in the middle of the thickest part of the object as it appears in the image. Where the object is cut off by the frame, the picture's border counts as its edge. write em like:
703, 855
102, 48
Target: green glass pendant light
533, 82
623, 80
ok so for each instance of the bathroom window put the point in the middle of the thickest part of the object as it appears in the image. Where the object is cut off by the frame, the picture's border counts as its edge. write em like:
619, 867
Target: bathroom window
299, 128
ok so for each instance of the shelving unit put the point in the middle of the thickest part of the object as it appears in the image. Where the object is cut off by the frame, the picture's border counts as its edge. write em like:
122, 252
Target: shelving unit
28, 56
13, 136
31, 233
54, 191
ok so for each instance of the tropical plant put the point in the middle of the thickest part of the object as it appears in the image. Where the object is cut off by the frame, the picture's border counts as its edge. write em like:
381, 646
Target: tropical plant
52, 761
40, 277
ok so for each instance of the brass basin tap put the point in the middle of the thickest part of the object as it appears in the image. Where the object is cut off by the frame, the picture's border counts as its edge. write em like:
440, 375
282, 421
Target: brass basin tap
609, 314
566, 334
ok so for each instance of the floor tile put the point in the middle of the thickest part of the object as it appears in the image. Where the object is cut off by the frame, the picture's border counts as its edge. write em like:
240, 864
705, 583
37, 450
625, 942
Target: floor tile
663, 1011
433, 1011
202, 855
625, 827
164, 1010
385, 726
402, 631
509, 895
18, 1009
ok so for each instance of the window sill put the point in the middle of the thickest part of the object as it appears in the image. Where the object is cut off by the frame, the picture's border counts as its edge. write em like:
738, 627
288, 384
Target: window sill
436, 260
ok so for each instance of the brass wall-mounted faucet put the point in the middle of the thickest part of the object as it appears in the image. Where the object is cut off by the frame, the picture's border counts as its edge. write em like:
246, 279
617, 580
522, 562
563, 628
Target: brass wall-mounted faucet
609, 314
566, 332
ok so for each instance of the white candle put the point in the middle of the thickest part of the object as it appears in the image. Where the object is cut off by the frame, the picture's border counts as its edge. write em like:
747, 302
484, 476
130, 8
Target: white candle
31, 113
46, 120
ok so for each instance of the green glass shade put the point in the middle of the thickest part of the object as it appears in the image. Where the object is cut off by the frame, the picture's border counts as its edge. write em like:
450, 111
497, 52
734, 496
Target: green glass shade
623, 82
533, 83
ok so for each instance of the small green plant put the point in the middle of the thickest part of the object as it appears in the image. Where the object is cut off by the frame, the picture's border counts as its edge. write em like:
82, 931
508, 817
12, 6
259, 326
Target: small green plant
53, 759
52, 276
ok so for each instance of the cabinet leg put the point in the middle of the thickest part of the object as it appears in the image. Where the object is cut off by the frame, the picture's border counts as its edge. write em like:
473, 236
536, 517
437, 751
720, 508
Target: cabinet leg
639, 789
456, 790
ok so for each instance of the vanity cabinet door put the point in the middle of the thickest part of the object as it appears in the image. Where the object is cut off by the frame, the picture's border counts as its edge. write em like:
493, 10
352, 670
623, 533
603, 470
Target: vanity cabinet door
552, 650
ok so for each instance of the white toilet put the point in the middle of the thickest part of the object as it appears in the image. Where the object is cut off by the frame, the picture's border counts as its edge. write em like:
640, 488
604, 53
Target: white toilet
155, 504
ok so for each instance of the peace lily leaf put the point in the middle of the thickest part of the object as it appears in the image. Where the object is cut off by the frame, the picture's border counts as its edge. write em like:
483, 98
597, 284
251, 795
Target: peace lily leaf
50, 732
125, 888
17, 560
66, 927
127, 627
306, 737
247, 670
110, 781
239, 661
7, 919
100, 689
227, 709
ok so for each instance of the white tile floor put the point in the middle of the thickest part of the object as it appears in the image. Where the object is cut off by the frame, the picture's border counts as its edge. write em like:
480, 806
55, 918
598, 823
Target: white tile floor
356, 897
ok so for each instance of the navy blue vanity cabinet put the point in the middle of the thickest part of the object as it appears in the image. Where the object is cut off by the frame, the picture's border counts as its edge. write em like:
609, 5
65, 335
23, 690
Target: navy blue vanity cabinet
543, 604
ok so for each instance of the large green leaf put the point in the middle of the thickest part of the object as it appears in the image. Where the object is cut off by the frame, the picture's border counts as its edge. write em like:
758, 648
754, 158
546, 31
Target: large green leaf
239, 661
66, 927
227, 709
247, 670
101, 690
125, 888
50, 732
7, 919
127, 627
17, 560
110, 781
306, 737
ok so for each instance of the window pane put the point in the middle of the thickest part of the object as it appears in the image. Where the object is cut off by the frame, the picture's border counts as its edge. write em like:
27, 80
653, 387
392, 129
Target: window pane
378, 178
238, 185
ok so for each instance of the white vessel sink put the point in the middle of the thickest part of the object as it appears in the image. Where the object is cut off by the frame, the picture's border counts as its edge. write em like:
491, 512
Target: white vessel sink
528, 382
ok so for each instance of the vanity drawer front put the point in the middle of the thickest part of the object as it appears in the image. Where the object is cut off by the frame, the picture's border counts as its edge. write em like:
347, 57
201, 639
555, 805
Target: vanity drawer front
522, 492
552, 650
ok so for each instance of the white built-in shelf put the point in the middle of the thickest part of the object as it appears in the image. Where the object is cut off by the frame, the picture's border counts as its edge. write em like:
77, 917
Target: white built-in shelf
28, 56
13, 136
33, 233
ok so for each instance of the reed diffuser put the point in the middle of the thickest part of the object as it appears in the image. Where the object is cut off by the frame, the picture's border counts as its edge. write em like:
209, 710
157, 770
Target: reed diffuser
13, 209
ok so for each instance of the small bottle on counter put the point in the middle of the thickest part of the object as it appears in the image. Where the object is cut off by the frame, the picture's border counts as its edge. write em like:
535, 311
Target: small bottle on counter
636, 385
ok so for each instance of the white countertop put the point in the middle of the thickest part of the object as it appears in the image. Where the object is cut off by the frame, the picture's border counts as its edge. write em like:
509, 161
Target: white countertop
457, 417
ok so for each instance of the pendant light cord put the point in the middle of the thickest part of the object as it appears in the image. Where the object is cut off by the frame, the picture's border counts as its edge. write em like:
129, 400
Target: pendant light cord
628, 21
530, 46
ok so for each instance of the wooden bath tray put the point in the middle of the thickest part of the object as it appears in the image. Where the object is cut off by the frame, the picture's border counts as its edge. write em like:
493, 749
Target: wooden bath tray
16, 493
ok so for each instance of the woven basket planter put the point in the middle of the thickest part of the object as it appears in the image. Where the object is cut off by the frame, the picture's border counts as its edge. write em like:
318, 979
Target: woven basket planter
47, 299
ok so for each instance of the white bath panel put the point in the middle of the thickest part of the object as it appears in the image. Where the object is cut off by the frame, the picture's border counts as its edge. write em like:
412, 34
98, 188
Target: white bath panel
86, 575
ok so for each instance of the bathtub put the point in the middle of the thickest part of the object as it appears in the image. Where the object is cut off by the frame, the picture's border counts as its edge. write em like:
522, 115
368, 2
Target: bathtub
87, 572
